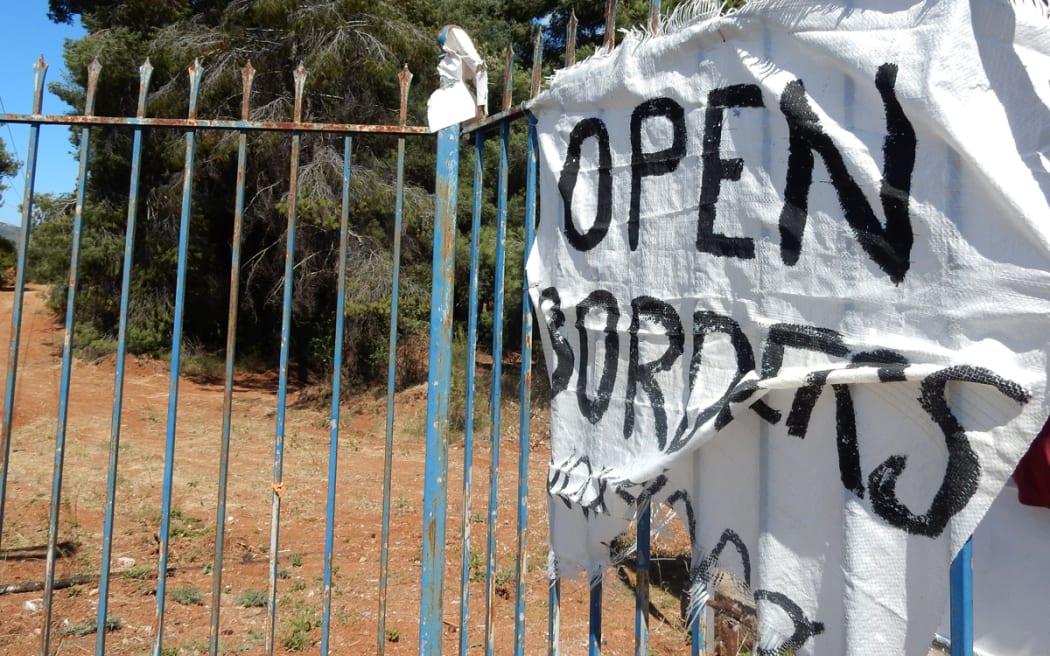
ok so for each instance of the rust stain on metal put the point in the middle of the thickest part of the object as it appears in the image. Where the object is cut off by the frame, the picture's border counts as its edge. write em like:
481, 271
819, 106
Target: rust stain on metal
537, 63
145, 72
610, 26
508, 79
195, 70
490, 121
215, 124
448, 248
93, 72
278, 489
405, 79
247, 76
300, 84
430, 533
570, 40
39, 70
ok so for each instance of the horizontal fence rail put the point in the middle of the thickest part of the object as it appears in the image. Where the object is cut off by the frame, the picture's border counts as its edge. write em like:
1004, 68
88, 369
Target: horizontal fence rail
445, 534
214, 124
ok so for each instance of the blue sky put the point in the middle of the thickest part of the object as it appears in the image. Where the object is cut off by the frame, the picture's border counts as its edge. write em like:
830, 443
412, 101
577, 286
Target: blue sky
26, 34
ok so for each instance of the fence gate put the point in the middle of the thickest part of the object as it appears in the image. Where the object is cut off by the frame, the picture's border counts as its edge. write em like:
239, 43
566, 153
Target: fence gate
139, 519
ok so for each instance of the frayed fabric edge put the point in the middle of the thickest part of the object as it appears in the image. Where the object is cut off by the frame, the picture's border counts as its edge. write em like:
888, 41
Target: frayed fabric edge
695, 13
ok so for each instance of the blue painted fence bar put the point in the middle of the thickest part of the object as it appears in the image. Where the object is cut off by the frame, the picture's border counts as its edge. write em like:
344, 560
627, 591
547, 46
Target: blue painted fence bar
525, 386
337, 380
195, 71
40, 68
641, 583
438, 617
435, 484
468, 401
145, 71
67, 364
961, 601
282, 383
495, 387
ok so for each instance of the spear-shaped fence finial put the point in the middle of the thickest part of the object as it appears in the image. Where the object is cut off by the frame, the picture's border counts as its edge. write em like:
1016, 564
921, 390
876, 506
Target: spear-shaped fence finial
300, 84
247, 77
405, 79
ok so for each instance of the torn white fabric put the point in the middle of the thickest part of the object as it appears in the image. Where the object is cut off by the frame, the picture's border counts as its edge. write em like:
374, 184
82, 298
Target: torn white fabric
454, 102
794, 270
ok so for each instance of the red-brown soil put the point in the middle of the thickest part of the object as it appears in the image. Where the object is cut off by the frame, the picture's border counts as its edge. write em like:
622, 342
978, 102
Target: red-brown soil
302, 519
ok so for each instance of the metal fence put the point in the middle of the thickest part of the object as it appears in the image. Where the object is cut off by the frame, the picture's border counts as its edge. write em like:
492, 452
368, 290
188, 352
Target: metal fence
434, 630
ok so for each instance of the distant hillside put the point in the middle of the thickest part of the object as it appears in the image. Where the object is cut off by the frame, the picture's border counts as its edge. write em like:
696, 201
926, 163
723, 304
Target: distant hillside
8, 231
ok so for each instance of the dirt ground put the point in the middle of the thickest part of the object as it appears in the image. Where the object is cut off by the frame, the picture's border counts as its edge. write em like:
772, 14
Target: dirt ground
245, 570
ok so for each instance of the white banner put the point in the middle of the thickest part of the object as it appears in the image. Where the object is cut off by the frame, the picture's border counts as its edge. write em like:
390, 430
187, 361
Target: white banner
793, 269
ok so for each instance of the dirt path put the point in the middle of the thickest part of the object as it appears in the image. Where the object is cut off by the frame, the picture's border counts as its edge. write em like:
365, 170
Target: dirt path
302, 525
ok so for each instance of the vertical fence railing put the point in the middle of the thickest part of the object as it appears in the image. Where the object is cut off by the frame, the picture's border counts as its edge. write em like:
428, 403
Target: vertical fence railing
67, 362
435, 483
40, 68
469, 393
436, 476
282, 381
139, 124
495, 395
337, 382
525, 384
405, 80
145, 71
247, 76
961, 601
195, 73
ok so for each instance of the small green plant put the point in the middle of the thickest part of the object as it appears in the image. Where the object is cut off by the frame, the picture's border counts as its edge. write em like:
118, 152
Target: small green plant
284, 573
402, 506
254, 639
186, 526
298, 585
477, 518
252, 599
188, 596
138, 573
87, 628
199, 363
196, 647
504, 574
296, 560
393, 635
477, 566
298, 628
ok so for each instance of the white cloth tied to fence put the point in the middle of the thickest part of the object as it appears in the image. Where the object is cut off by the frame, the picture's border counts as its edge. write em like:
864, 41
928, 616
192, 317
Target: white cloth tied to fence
453, 102
793, 269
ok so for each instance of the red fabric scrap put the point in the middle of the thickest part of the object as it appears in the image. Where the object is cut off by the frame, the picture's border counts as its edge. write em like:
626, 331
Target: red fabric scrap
1033, 472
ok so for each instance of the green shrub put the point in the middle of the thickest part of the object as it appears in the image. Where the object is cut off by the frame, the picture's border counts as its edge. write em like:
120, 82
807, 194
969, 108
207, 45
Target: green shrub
252, 599
189, 596
8, 254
